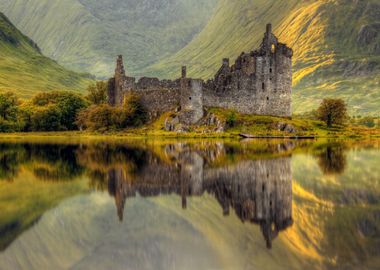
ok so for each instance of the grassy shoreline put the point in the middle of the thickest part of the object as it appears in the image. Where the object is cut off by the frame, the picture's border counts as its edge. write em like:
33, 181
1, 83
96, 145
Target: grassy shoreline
256, 125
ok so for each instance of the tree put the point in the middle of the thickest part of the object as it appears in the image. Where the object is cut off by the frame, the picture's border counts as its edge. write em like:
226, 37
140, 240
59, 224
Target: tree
46, 119
8, 106
367, 121
67, 103
97, 92
332, 111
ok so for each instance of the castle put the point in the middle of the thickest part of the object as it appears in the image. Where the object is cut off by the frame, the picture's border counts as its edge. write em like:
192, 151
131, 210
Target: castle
259, 82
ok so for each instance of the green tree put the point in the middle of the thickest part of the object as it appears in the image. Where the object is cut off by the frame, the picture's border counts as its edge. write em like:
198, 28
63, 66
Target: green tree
97, 92
46, 118
332, 111
367, 121
8, 106
67, 103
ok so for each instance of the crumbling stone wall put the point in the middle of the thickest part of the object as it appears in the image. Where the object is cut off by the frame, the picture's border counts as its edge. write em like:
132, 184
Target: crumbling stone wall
159, 101
259, 82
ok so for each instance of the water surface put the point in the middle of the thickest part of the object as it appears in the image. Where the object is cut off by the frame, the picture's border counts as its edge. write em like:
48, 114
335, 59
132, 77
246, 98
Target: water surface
201, 204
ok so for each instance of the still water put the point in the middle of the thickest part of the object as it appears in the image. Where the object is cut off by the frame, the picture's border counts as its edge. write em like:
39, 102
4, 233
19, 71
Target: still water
210, 204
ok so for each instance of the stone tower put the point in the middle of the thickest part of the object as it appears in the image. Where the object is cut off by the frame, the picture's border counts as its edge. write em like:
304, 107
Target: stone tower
120, 84
191, 100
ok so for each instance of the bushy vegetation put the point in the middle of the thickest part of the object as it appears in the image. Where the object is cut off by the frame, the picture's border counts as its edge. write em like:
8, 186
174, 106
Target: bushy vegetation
104, 117
97, 92
55, 111
62, 110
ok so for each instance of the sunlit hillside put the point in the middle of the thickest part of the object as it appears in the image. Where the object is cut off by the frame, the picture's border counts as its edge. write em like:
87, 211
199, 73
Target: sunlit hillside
24, 70
336, 46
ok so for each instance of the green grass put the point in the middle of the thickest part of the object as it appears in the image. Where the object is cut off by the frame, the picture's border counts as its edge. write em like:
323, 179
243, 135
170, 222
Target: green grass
24, 70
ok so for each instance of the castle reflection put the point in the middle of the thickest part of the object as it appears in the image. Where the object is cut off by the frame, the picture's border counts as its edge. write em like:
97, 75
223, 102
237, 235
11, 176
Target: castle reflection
259, 191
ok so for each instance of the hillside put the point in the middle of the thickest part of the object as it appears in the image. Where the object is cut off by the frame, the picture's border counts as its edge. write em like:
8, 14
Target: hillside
336, 45
88, 34
24, 70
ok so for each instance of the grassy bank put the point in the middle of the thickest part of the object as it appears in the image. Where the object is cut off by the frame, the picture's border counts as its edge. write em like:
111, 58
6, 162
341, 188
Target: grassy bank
234, 124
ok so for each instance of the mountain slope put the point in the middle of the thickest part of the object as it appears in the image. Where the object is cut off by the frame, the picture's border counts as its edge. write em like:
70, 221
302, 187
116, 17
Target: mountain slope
24, 70
88, 34
336, 47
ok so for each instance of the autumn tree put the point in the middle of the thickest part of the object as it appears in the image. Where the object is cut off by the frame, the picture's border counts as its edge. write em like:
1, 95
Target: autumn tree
332, 112
97, 92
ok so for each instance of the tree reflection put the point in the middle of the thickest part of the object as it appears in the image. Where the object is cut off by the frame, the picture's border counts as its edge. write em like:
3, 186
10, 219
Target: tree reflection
10, 158
333, 159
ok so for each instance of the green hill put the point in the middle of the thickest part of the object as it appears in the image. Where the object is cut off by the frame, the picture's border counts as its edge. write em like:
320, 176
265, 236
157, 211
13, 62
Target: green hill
86, 35
336, 45
24, 70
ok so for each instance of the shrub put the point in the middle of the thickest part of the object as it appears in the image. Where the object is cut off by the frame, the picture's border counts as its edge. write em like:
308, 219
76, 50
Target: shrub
96, 117
104, 117
231, 119
135, 111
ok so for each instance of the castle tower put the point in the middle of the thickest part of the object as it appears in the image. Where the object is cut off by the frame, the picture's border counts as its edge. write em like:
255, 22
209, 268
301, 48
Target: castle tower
191, 101
120, 84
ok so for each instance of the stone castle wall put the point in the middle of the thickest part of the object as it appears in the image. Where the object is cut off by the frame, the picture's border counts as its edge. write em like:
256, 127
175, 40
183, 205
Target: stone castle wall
259, 82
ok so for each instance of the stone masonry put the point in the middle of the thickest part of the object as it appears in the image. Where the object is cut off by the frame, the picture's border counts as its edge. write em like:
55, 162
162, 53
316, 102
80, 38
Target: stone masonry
258, 82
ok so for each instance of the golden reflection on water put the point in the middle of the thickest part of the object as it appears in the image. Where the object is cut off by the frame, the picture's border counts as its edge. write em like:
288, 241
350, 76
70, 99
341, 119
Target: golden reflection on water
258, 204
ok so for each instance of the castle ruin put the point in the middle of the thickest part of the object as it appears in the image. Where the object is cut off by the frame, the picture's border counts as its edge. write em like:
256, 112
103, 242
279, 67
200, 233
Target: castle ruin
259, 82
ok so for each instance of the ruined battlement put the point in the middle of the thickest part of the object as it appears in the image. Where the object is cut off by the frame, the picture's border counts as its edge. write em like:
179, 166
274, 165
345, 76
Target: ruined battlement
258, 82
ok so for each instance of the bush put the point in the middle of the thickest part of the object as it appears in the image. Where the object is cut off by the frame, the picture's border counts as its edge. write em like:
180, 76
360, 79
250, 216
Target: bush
136, 113
231, 119
97, 117
104, 117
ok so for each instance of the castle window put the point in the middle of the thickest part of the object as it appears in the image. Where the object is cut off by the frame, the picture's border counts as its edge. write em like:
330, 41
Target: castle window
268, 99
273, 48
270, 70
263, 86
189, 98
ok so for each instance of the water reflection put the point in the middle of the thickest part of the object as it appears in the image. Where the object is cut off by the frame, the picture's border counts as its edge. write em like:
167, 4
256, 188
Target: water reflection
255, 181
332, 159
236, 192
258, 191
